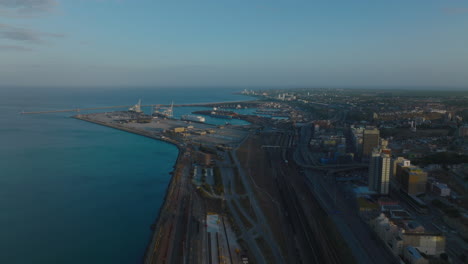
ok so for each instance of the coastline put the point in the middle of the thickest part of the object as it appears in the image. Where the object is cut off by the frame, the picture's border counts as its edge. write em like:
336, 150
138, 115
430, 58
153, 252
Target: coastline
129, 130
156, 225
170, 228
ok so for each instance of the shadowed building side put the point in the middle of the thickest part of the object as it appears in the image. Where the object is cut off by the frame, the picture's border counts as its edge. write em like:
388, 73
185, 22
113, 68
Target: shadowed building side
370, 140
379, 169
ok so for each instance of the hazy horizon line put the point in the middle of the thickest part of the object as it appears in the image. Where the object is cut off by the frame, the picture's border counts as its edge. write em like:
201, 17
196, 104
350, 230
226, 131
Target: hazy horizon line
242, 87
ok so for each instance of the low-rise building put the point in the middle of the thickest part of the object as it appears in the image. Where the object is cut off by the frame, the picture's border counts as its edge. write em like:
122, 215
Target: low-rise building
412, 179
400, 234
401, 162
179, 129
412, 256
463, 131
440, 189
432, 244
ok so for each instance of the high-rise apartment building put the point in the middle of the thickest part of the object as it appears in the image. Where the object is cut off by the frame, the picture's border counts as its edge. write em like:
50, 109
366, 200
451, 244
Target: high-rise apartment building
379, 171
356, 139
370, 140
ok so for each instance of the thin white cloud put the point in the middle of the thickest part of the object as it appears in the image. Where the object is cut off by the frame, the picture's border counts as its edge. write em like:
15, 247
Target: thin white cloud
13, 48
25, 35
455, 10
27, 7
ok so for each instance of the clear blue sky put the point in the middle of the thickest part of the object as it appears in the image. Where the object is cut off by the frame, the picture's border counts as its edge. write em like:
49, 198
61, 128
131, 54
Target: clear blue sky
248, 43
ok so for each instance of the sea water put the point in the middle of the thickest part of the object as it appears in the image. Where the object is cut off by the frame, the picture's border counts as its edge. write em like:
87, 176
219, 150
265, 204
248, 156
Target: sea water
76, 192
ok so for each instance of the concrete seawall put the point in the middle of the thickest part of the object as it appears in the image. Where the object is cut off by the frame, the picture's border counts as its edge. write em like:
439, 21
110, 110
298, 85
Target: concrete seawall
130, 130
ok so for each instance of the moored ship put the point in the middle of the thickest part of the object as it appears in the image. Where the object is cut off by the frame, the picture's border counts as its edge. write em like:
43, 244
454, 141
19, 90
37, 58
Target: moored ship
163, 112
193, 118
218, 114
222, 114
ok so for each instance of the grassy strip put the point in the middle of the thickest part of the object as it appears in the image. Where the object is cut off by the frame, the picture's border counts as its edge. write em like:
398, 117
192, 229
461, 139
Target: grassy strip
203, 193
207, 188
232, 222
245, 203
238, 184
207, 150
266, 251
244, 220
244, 246
230, 156
344, 252
218, 181
449, 210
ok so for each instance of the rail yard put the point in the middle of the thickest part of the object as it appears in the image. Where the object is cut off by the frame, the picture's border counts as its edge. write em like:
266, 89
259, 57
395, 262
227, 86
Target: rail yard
238, 194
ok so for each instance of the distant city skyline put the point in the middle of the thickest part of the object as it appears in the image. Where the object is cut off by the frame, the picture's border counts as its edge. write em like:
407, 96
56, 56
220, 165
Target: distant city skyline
254, 44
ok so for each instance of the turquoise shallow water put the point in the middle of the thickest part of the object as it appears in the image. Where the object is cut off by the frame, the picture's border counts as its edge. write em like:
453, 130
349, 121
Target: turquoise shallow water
75, 192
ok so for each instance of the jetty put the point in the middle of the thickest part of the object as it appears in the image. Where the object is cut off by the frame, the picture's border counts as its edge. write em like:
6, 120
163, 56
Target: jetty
233, 105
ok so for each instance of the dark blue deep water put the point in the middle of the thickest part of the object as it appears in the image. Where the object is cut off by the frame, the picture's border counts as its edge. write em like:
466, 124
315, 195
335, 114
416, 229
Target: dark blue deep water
76, 192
